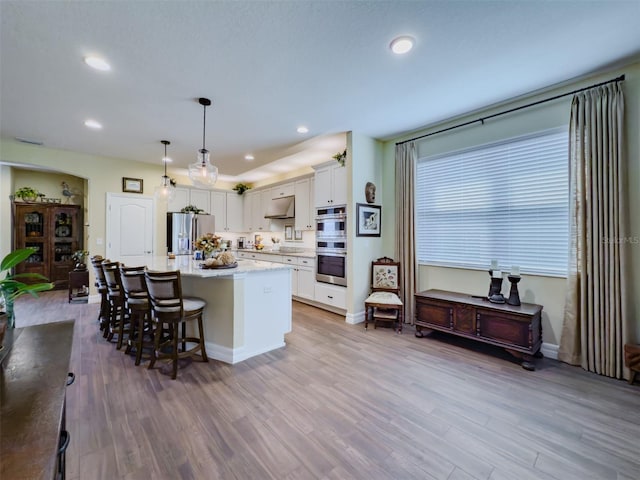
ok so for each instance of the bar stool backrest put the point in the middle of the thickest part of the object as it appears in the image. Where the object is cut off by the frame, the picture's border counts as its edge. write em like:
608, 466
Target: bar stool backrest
165, 294
112, 276
96, 262
133, 282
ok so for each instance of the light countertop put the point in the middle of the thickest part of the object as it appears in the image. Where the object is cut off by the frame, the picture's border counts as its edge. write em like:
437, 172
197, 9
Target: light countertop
190, 267
303, 252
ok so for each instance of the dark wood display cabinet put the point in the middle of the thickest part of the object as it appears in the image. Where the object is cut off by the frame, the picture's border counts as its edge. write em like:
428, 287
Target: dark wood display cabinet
55, 232
518, 329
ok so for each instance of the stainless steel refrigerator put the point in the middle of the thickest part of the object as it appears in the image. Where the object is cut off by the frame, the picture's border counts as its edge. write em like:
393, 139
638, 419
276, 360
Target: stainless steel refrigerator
184, 228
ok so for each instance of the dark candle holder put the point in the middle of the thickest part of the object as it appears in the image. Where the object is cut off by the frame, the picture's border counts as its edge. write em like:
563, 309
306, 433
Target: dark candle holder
514, 296
495, 288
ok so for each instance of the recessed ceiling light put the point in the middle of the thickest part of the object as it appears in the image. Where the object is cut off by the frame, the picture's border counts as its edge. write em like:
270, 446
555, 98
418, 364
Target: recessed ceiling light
401, 45
249, 157
302, 129
93, 124
97, 63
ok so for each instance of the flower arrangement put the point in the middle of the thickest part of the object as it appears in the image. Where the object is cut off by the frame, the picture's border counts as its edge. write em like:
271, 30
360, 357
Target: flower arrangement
208, 243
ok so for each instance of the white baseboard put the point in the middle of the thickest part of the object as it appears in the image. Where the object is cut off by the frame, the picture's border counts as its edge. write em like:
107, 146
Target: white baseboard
549, 350
236, 355
354, 318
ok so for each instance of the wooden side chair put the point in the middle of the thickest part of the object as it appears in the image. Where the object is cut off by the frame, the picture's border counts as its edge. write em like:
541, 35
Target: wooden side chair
169, 308
384, 302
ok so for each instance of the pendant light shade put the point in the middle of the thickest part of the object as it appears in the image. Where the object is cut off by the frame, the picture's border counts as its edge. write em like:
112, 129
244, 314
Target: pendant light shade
201, 172
165, 192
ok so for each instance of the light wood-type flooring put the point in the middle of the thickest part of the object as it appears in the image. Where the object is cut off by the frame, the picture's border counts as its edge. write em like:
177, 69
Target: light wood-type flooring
341, 403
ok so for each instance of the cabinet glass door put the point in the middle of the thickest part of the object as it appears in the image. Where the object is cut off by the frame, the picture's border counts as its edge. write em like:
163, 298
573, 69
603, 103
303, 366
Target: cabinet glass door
63, 225
38, 255
33, 224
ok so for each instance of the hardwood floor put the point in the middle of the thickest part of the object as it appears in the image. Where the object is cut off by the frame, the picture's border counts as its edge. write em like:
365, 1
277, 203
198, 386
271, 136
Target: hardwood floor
341, 403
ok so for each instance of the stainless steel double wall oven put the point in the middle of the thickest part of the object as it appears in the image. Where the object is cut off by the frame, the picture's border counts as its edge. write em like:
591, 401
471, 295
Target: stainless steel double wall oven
331, 245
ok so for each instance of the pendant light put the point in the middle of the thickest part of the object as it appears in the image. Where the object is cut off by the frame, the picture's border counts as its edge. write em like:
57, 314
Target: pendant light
202, 173
166, 191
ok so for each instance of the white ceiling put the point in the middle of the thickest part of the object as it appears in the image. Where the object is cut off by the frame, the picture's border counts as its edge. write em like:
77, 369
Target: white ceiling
269, 66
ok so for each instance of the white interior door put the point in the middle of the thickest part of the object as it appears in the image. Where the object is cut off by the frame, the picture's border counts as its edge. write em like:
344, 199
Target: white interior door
129, 228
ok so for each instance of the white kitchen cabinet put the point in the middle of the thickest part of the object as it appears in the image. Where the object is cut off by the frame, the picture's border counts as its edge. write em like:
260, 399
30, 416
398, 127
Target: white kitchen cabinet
227, 208
184, 196
302, 271
200, 199
235, 220
330, 185
305, 210
333, 295
219, 210
180, 199
306, 279
247, 210
284, 190
261, 201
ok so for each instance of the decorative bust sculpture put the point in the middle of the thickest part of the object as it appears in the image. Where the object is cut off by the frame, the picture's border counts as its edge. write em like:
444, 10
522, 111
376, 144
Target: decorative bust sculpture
370, 192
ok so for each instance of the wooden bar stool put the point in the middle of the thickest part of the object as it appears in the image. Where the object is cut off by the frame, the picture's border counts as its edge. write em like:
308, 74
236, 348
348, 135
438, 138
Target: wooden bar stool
118, 318
170, 308
136, 302
632, 359
101, 285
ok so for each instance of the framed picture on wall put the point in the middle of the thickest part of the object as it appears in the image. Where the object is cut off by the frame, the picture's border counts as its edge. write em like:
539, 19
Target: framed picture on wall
131, 185
369, 220
297, 234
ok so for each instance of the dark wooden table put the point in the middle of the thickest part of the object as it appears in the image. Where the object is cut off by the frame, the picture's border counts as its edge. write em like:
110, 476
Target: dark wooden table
33, 379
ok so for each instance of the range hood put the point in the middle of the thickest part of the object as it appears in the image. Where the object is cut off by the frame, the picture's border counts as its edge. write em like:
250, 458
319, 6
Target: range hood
282, 207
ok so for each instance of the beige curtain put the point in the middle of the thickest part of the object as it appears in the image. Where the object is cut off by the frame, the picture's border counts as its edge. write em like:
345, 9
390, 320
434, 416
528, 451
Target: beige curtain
595, 322
406, 157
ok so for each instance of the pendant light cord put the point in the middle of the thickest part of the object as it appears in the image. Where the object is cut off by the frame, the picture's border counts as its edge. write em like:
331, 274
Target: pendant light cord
204, 129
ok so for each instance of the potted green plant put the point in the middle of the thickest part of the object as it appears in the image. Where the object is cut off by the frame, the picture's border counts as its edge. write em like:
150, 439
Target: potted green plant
27, 194
340, 157
241, 188
191, 209
12, 286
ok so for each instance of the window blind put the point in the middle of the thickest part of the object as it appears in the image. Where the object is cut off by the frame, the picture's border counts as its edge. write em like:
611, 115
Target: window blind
506, 201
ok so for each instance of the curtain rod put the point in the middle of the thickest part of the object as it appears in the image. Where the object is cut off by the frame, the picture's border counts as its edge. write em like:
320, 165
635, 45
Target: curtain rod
482, 119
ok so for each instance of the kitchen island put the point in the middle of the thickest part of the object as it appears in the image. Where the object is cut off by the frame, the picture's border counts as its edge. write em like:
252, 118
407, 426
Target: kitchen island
248, 308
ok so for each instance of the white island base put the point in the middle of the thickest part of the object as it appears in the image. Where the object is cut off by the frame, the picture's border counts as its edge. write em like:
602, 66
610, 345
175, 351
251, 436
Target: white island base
248, 308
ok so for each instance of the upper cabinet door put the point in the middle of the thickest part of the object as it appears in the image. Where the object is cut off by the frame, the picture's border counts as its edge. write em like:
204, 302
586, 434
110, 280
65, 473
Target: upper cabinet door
331, 185
201, 199
339, 185
180, 199
219, 210
323, 186
235, 213
304, 215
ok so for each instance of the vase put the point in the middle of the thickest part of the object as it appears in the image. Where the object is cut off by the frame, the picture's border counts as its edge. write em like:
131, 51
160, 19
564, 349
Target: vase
9, 313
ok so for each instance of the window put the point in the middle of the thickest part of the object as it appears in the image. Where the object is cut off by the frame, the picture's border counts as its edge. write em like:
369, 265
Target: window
506, 201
